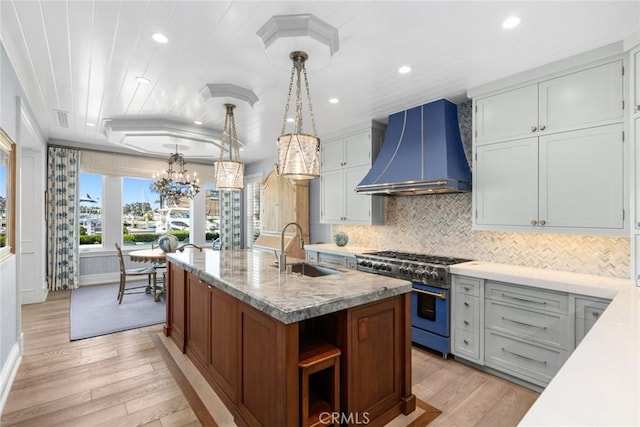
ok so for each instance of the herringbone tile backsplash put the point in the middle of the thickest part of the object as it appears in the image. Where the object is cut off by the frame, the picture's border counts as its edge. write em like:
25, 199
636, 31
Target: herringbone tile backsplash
441, 225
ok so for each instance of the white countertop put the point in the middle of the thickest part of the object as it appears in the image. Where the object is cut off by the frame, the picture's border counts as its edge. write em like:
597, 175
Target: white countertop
599, 385
332, 248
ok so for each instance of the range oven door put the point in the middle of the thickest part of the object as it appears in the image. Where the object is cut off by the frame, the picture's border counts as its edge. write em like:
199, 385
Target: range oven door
430, 309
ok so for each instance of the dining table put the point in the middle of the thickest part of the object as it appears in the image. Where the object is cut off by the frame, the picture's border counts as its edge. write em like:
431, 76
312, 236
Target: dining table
157, 257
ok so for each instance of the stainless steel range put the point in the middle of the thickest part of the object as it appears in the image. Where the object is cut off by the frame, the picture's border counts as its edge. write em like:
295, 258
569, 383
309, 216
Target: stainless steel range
430, 306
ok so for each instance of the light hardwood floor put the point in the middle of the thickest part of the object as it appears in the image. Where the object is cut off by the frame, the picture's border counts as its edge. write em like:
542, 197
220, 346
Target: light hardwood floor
122, 380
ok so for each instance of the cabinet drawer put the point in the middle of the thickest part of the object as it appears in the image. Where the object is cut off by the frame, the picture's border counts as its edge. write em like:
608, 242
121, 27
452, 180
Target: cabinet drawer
467, 285
589, 308
466, 345
531, 298
541, 327
312, 256
331, 259
467, 313
523, 360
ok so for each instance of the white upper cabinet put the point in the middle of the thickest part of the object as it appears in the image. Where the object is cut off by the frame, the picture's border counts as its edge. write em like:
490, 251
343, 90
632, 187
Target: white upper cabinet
550, 157
636, 102
589, 97
582, 179
506, 183
508, 114
345, 160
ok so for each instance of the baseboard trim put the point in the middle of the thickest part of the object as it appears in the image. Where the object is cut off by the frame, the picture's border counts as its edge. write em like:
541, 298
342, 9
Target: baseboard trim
9, 371
99, 279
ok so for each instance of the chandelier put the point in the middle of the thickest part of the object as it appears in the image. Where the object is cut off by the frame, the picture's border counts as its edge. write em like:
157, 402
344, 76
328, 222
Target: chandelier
229, 174
298, 152
175, 182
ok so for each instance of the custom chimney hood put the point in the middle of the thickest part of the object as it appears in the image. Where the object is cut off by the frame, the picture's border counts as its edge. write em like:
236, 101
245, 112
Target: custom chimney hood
421, 153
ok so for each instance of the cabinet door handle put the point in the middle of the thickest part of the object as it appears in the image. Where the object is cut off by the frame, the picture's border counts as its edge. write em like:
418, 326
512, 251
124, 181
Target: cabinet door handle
466, 304
465, 341
543, 222
534, 222
542, 127
441, 295
534, 128
637, 107
466, 288
466, 322
524, 357
544, 328
524, 300
595, 314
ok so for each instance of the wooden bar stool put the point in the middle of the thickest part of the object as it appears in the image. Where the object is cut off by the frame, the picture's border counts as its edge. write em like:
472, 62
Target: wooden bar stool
315, 356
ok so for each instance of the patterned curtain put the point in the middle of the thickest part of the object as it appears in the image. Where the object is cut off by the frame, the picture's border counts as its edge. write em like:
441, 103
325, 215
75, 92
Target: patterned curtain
63, 172
230, 219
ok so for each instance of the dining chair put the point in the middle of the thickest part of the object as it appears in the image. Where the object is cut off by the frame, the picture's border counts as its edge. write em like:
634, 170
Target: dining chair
149, 272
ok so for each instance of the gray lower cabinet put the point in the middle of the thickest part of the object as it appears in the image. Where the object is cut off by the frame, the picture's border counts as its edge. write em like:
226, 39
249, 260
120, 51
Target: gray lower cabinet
344, 261
588, 310
522, 331
467, 318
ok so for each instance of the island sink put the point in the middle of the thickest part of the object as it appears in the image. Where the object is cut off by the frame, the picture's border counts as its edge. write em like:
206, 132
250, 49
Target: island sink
310, 270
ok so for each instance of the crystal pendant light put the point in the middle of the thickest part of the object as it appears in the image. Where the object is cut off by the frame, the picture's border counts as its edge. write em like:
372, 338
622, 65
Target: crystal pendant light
298, 152
229, 174
175, 182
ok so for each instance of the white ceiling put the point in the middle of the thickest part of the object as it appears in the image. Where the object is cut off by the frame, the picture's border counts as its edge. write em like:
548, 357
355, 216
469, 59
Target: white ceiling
83, 56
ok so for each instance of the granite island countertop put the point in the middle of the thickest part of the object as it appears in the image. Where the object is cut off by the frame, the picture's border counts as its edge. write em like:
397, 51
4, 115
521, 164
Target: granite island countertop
252, 277
599, 385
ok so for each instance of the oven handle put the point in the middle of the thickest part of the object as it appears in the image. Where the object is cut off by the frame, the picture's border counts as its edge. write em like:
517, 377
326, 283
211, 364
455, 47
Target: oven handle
441, 295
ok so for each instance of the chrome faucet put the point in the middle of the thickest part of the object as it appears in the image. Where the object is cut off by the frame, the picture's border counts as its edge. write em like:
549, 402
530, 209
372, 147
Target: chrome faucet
282, 263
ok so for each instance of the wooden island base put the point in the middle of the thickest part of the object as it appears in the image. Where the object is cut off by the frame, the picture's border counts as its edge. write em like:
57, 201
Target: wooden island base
251, 359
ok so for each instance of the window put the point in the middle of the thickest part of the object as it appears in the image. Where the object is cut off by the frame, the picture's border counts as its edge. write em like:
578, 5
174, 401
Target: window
90, 210
252, 204
212, 214
7, 194
140, 214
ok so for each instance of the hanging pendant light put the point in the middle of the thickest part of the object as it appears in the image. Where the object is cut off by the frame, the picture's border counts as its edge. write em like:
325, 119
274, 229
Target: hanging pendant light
176, 182
229, 174
298, 152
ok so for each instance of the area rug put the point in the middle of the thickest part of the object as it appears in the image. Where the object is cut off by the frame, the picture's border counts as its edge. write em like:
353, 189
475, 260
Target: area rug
95, 311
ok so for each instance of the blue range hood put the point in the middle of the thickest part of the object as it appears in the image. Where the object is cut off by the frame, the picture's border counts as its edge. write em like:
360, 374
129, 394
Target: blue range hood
421, 153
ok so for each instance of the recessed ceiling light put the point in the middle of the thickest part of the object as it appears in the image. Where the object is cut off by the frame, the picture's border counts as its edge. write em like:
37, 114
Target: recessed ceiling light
404, 69
510, 22
143, 80
159, 38
197, 122
90, 124
334, 100
290, 119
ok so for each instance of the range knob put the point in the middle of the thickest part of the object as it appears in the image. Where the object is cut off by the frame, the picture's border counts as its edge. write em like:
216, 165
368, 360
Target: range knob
433, 274
418, 274
369, 264
376, 266
363, 263
425, 275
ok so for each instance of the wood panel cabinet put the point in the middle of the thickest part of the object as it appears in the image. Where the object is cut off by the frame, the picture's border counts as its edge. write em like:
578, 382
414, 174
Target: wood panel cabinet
175, 326
562, 182
198, 319
345, 160
224, 345
585, 98
251, 360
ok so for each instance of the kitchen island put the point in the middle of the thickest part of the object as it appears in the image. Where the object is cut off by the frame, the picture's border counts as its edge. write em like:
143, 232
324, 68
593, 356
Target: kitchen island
242, 323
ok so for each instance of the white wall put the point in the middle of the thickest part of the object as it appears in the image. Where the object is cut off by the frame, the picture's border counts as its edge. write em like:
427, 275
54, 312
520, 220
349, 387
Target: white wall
30, 155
